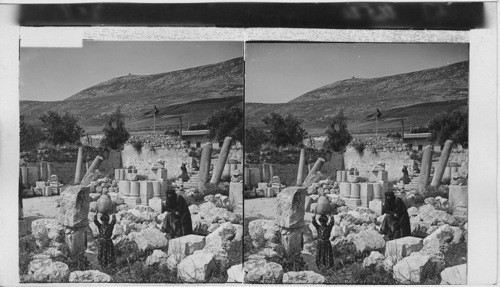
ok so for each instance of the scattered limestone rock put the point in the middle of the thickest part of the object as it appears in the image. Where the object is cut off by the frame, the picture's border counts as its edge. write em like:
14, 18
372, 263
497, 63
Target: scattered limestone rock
267, 273
158, 256
368, 240
403, 247
235, 274
303, 277
186, 245
149, 239
46, 270
375, 259
412, 269
89, 276
438, 240
262, 232
46, 231
456, 275
196, 268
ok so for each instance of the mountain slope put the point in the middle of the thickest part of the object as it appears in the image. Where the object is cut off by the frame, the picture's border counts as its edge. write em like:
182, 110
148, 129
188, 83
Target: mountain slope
217, 85
405, 93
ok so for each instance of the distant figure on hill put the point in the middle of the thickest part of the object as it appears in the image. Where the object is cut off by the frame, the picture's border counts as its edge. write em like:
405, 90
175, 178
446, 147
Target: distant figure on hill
177, 221
396, 223
324, 253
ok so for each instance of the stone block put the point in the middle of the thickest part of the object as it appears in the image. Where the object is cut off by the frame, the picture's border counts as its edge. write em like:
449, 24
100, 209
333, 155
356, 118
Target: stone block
413, 269
366, 193
376, 206
456, 275
270, 192
290, 209
458, 197
161, 174
40, 184
345, 189
146, 191
155, 203
124, 187
132, 201
262, 185
382, 176
76, 239
352, 203
197, 267
403, 247
186, 245
236, 192
74, 206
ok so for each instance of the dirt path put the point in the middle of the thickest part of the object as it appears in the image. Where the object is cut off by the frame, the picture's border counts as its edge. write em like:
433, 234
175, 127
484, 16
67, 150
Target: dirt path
41, 206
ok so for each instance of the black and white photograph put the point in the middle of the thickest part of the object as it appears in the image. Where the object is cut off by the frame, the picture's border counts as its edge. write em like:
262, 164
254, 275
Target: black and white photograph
131, 162
356, 163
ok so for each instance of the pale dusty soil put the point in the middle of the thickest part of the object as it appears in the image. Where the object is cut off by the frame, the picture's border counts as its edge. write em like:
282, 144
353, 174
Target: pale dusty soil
35, 208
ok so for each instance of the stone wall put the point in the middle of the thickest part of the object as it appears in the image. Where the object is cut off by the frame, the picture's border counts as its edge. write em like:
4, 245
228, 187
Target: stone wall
65, 171
288, 172
366, 161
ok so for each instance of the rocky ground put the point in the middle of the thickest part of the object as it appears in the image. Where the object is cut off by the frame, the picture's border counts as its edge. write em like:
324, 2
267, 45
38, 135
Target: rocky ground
143, 253
435, 253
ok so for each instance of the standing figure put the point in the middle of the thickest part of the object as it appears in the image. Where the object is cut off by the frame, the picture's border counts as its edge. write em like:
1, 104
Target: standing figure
105, 224
20, 193
396, 223
406, 177
184, 174
324, 253
177, 221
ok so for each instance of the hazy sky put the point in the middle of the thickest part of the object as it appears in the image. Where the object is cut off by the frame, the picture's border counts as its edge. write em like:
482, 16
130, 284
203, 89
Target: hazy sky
50, 74
279, 72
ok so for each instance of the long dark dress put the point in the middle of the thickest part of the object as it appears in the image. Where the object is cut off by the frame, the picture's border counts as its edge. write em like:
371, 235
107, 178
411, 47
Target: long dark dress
324, 253
106, 254
396, 226
177, 221
406, 177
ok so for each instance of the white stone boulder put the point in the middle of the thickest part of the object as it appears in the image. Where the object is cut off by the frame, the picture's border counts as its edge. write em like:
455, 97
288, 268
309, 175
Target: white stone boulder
224, 236
303, 277
89, 276
456, 275
46, 270
186, 245
400, 248
196, 268
235, 274
375, 259
266, 273
46, 231
368, 240
412, 269
290, 209
194, 209
158, 256
74, 206
412, 211
434, 216
149, 239
438, 240
263, 232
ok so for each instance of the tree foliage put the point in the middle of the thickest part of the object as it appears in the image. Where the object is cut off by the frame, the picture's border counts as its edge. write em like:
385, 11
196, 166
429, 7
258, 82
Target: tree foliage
115, 133
338, 137
254, 138
284, 131
30, 136
226, 122
62, 128
450, 126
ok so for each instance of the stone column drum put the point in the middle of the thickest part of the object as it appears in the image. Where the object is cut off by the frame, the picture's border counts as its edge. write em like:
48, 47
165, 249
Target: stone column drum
302, 163
135, 189
366, 193
24, 175
156, 201
377, 191
123, 173
344, 175
221, 161
118, 174
124, 187
425, 169
146, 191
345, 189
290, 211
355, 190
206, 156
339, 176
443, 160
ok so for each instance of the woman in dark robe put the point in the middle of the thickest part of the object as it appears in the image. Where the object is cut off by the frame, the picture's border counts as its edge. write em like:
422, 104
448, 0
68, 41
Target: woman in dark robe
106, 254
324, 253
406, 176
396, 223
177, 221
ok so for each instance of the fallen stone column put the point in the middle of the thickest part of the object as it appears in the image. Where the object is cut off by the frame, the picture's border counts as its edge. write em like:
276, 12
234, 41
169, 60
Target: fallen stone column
317, 167
441, 166
425, 169
95, 165
206, 156
221, 161
79, 161
302, 163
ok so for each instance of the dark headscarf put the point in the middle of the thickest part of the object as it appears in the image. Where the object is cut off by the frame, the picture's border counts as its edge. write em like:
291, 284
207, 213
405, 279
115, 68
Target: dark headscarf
323, 220
171, 201
390, 200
